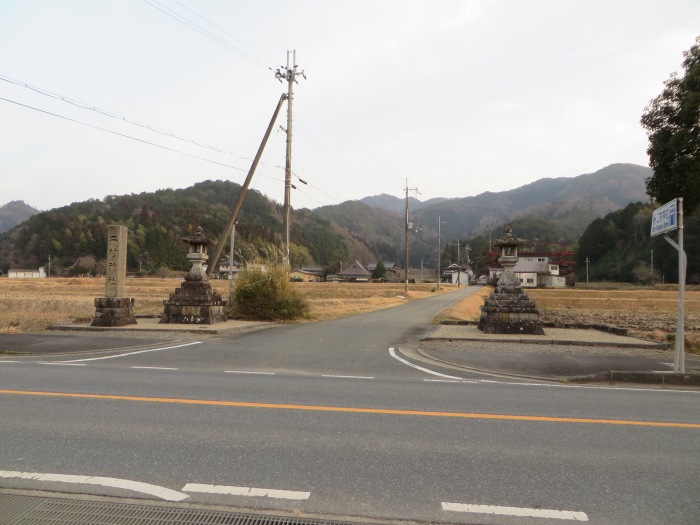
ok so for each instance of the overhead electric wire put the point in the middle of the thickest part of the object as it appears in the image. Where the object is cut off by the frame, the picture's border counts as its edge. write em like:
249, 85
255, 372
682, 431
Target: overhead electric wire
351, 137
272, 61
127, 136
120, 118
172, 14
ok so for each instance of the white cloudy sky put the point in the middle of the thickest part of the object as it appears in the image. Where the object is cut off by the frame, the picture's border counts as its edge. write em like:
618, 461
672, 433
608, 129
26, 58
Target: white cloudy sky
459, 97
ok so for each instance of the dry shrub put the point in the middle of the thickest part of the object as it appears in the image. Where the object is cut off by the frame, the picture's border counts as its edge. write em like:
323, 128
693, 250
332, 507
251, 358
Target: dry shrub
266, 296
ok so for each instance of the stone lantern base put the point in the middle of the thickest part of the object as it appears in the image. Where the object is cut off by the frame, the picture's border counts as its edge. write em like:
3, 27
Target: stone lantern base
195, 302
113, 311
508, 310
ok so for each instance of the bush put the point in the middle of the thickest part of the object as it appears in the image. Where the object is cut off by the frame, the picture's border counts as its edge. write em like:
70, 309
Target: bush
266, 296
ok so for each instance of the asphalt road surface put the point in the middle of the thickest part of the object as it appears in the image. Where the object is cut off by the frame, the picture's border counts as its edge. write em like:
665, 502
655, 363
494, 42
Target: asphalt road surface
342, 418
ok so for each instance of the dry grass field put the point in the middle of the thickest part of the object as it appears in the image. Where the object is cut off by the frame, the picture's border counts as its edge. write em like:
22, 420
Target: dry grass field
33, 304
650, 313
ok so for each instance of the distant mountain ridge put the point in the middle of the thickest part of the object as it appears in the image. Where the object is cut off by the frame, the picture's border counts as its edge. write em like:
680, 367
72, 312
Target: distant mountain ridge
14, 213
569, 205
548, 209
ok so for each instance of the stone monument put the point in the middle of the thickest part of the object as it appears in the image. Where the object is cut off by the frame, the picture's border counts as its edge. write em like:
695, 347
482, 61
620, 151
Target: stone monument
114, 309
508, 310
195, 302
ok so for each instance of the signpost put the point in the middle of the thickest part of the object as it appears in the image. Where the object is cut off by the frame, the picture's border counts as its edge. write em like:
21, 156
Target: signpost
667, 218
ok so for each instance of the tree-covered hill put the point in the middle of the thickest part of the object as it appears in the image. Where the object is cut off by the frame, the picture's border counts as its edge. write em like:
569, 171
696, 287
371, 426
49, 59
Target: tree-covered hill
157, 221
618, 248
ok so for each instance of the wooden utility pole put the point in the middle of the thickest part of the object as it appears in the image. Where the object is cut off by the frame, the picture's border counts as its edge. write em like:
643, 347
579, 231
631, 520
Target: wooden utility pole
289, 74
408, 226
440, 223
241, 195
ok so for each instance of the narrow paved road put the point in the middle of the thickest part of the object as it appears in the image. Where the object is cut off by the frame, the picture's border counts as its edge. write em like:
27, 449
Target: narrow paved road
331, 418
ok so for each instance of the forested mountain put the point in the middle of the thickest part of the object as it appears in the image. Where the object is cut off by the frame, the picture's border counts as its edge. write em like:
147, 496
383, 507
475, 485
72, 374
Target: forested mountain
14, 213
157, 222
546, 211
618, 248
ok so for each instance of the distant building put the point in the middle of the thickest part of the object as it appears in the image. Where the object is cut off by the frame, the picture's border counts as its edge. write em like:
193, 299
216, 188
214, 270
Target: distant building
311, 274
223, 269
455, 274
390, 267
534, 272
26, 274
355, 273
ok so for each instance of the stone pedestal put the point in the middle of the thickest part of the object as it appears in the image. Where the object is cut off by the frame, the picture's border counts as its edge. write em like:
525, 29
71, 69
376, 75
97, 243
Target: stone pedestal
508, 310
113, 311
195, 302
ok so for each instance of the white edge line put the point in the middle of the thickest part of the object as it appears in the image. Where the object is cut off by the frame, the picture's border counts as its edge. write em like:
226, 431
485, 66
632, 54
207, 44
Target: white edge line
136, 486
393, 354
515, 511
152, 368
10, 361
131, 353
248, 372
64, 364
347, 377
592, 387
245, 491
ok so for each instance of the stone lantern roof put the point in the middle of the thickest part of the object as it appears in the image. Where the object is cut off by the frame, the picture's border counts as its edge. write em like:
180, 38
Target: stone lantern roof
197, 241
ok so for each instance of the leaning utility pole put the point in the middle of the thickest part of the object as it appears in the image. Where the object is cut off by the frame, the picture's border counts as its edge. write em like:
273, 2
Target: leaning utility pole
408, 226
244, 189
289, 74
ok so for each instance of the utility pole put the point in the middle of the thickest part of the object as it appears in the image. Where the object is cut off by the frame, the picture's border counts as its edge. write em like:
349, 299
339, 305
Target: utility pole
230, 264
587, 262
459, 265
440, 223
49, 275
289, 74
408, 225
244, 189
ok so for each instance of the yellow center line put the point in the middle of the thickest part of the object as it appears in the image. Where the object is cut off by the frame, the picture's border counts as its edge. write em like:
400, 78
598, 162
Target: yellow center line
354, 410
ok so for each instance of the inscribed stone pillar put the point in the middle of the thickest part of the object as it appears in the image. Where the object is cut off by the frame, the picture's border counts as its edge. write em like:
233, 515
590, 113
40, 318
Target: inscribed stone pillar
116, 261
114, 309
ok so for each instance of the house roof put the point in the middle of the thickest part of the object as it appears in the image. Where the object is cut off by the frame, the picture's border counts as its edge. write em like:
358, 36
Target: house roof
354, 270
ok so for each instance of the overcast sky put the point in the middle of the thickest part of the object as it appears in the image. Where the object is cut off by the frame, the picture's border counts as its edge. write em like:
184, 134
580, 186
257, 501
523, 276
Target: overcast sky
459, 97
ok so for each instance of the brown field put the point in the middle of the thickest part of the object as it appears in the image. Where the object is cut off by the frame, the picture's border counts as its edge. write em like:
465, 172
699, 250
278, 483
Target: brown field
650, 313
33, 304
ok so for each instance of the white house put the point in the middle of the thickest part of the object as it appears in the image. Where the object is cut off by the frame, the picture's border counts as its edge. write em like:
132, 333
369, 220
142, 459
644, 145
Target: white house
26, 274
454, 274
534, 272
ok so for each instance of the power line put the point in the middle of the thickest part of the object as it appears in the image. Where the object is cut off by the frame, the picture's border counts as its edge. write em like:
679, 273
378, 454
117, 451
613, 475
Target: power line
172, 14
272, 61
120, 118
121, 134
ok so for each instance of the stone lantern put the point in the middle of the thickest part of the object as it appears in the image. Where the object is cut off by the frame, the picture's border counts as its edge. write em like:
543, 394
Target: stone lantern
195, 302
197, 254
508, 310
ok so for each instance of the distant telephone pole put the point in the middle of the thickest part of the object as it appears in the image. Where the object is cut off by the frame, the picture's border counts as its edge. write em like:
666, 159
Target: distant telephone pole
289, 74
440, 223
408, 227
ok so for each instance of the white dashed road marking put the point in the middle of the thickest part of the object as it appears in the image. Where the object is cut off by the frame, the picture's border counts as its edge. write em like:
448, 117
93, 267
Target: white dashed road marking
516, 511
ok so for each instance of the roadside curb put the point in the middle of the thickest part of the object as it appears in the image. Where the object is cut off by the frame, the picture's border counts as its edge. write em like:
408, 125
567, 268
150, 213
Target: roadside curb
652, 378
